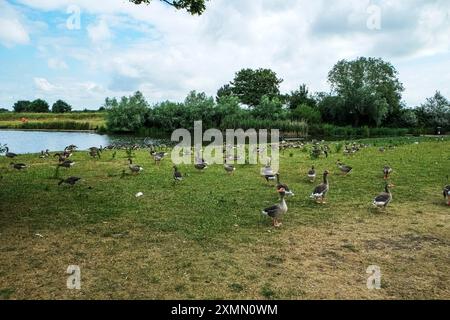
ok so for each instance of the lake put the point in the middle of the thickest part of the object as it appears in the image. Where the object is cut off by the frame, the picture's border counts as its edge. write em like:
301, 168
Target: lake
34, 141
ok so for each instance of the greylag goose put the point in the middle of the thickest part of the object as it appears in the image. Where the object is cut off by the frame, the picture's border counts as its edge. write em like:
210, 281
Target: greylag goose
322, 189
387, 170
312, 174
67, 164
276, 211
134, 167
446, 193
177, 176
283, 186
71, 181
344, 169
384, 198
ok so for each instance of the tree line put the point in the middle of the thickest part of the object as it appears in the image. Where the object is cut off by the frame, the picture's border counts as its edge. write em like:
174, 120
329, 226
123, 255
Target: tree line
365, 92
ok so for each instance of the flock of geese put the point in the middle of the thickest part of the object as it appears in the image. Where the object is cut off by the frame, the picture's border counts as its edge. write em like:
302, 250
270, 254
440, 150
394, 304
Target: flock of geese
275, 212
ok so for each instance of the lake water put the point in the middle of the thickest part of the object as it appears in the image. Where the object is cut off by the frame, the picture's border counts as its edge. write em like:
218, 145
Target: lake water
34, 141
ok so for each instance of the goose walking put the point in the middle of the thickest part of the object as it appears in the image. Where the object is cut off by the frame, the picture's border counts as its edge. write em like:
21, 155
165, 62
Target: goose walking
322, 189
278, 210
446, 194
201, 166
384, 198
70, 181
134, 167
177, 176
387, 170
344, 169
312, 174
230, 169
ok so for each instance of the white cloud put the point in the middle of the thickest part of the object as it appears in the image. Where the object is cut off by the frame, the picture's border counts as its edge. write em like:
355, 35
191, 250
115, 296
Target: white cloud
12, 28
43, 84
57, 64
173, 52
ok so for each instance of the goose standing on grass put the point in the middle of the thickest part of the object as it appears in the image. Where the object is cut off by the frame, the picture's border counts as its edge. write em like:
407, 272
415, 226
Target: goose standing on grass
312, 174
177, 176
387, 170
383, 199
280, 185
276, 211
134, 167
10, 154
322, 189
344, 169
70, 181
61, 157
158, 156
18, 166
67, 164
201, 166
229, 168
446, 194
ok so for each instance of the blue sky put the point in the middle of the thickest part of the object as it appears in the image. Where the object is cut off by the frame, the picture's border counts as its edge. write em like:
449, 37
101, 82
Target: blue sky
120, 47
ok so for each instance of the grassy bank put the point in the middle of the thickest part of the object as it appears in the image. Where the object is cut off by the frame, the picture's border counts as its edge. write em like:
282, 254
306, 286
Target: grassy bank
205, 238
52, 121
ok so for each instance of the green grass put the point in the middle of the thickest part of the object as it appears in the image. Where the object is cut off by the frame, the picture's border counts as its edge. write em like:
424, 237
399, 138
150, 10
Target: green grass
206, 238
52, 121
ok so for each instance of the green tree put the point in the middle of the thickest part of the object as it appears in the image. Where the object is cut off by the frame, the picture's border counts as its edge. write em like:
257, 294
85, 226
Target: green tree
3, 110
435, 112
127, 115
251, 85
269, 108
299, 97
224, 91
22, 106
306, 113
61, 107
39, 106
369, 88
192, 6
199, 106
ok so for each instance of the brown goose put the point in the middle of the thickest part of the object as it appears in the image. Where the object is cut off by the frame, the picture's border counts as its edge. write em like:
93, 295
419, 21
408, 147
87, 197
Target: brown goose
134, 167
70, 181
177, 176
344, 169
387, 170
312, 174
446, 194
276, 211
384, 198
322, 189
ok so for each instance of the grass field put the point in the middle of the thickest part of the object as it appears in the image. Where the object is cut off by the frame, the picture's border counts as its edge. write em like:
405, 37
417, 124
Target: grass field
206, 239
60, 121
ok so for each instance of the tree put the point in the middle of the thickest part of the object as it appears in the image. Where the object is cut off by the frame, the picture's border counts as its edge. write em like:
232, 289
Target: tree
224, 91
22, 106
127, 115
369, 88
61, 107
435, 112
39, 106
299, 97
192, 6
251, 85
269, 108
306, 113
3, 110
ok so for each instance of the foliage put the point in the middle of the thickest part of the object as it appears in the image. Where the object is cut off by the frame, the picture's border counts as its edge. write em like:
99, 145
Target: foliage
127, 115
22, 106
269, 108
39, 106
251, 85
61, 107
299, 97
192, 6
306, 113
369, 90
435, 112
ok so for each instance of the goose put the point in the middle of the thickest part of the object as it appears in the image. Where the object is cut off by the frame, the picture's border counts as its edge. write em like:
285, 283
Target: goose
276, 211
61, 158
387, 170
67, 164
177, 176
322, 189
312, 174
344, 169
71, 181
133, 167
383, 199
10, 154
446, 193
229, 168
201, 166
158, 156
18, 166
94, 154
283, 186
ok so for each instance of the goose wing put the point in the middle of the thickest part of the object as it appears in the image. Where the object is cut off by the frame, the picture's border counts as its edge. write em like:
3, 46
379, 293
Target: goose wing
382, 198
272, 211
320, 189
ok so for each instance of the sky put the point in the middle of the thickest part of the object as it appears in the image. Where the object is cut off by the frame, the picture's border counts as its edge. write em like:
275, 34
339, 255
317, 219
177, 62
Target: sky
83, 51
